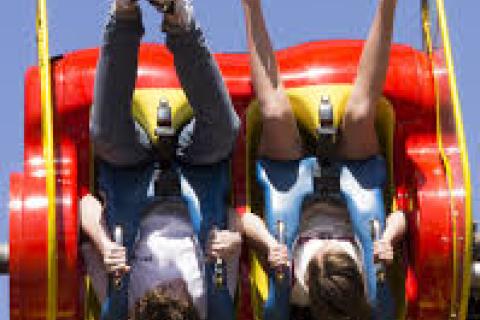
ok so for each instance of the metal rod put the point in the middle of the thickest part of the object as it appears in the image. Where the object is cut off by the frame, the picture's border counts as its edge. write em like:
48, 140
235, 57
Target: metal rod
4, 258
281, 238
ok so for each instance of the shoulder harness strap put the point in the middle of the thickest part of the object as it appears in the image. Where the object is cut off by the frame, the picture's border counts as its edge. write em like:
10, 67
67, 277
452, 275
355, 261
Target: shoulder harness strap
167, 182
326, 174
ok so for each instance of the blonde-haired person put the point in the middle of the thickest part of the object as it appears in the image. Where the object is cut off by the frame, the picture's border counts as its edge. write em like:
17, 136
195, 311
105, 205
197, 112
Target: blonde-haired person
166, 273
329, 274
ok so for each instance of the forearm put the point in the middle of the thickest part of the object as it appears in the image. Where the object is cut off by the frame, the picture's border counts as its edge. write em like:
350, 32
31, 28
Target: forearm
92, 222
112, 126
374, 60
396, 227
255, 231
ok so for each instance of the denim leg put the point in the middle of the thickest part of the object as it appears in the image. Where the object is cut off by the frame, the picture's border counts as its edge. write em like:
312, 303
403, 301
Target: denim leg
210, 137
116, 137
207, 140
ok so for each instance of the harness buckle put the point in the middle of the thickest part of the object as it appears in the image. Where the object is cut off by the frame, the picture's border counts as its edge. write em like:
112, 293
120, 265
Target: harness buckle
166, 178
327, 133
164, 120
326, 173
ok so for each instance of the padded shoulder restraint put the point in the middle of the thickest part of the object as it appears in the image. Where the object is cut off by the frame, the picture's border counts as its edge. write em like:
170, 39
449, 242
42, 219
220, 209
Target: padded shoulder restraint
130, 191
285, 185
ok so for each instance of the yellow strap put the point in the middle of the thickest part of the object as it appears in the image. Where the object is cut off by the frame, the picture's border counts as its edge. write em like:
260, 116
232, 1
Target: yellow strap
48, 154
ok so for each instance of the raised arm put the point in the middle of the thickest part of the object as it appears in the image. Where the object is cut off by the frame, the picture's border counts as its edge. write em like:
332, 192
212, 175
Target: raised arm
280, 138
359, 136
116, 137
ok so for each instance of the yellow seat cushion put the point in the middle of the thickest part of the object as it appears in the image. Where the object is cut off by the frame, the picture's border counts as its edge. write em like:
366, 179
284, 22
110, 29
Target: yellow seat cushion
145, 103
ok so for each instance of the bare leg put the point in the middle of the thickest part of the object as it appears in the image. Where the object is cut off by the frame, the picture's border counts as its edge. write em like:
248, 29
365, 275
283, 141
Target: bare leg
280, 138
359, 139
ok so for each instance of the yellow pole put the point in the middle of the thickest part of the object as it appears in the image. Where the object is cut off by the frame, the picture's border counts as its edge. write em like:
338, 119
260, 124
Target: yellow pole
48, 154
467, 255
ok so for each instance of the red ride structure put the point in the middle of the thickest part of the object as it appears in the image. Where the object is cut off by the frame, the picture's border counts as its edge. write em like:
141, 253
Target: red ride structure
430, 172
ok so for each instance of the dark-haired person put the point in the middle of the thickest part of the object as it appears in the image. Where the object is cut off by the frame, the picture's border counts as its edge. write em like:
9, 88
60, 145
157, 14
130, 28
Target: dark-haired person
166, 273
158, 303
135, 188
329, 272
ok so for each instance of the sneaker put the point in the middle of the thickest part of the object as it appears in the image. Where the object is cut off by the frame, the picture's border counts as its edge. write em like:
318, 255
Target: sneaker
178, 16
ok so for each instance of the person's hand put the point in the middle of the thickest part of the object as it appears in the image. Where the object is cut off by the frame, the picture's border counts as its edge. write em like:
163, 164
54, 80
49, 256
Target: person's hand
278, 256
114, 258
223, 244
383, 251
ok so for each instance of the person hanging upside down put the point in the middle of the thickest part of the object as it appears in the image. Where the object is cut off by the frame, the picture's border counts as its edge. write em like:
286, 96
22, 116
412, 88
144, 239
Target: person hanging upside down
166, 280
145, 189
329, 241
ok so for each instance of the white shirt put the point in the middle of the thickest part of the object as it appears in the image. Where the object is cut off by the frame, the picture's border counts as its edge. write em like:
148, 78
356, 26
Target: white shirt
165, 250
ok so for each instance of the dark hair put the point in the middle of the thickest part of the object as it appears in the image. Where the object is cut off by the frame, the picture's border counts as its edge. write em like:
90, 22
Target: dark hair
157, 304
336, 289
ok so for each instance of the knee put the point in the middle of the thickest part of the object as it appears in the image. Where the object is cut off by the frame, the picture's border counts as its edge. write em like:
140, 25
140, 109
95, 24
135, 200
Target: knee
361, 114
98, 140
275, 107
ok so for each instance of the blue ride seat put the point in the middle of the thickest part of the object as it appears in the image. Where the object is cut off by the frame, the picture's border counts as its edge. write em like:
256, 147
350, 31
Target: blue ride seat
286, 184
282, 187
130, 192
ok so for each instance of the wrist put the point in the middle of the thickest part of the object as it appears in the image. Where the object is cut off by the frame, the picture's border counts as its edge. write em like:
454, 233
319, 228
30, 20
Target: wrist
102, 244
271, 242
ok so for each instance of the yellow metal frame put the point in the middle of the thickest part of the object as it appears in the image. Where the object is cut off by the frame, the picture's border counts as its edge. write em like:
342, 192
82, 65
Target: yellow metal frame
461, 311
49, 156
460, 133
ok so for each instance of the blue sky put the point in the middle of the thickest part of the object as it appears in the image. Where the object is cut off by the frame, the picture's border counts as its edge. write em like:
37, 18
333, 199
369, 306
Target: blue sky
77, 24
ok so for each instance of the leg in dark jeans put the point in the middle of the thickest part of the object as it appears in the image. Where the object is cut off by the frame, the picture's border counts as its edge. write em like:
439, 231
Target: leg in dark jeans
118, 140
206, 141
116, 137
210, 136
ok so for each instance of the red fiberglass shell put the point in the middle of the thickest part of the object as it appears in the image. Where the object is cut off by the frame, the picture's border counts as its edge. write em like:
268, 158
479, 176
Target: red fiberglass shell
420, 182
